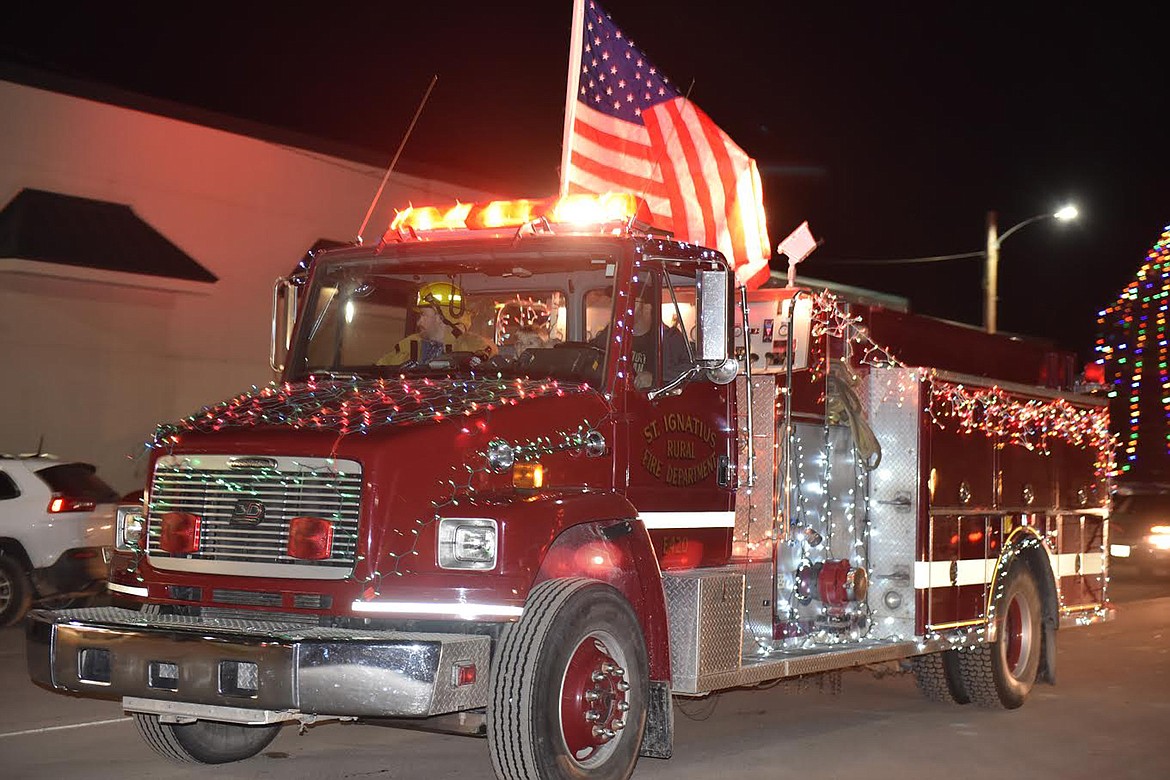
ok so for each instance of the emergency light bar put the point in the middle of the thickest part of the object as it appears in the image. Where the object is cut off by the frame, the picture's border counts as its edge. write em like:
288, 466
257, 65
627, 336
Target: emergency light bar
578, 212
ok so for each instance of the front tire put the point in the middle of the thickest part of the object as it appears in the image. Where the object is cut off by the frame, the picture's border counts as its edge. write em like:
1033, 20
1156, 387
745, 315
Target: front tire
204, 741
1002, 673
569, 686
15, 591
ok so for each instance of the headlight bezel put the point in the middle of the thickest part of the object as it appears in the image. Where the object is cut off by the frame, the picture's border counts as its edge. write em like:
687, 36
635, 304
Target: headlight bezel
468, 543
129, 516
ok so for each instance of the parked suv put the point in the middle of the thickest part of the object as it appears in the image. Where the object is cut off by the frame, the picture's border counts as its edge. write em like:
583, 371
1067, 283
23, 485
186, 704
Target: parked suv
55, 519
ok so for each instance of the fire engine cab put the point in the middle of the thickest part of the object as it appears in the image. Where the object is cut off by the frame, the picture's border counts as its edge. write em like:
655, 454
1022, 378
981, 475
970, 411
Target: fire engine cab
533, 469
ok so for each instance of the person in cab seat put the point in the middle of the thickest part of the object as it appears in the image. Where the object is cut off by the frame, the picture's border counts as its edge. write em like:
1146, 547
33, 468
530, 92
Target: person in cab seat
443, 327
649, 334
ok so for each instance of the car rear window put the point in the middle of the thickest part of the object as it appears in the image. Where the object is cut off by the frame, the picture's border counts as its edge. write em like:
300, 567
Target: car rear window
78, 480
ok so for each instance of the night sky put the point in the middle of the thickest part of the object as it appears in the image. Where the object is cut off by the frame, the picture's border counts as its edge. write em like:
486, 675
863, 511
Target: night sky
892, 127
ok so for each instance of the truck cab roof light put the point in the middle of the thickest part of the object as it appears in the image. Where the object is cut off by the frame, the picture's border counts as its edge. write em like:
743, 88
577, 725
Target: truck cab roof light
608, 212
430, 218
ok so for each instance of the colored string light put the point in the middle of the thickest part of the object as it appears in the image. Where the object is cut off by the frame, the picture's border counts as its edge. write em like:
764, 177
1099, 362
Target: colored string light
1132, 350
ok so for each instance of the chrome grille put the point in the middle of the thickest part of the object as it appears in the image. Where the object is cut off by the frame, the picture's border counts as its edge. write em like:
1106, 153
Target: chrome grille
211, 486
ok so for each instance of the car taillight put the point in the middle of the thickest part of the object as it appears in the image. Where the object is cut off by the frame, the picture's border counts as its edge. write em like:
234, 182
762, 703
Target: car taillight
60, 504
180, 533
310, 538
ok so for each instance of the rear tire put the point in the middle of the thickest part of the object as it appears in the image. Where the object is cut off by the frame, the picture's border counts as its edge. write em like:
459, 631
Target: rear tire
1002, 673
939, 679
569, 686
15, 591
204, 741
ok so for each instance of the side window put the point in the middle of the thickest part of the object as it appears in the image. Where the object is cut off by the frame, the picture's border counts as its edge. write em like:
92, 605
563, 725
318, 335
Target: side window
8, 488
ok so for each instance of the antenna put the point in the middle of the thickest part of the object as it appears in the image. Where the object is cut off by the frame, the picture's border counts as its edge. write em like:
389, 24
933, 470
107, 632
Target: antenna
40, 447
394, 162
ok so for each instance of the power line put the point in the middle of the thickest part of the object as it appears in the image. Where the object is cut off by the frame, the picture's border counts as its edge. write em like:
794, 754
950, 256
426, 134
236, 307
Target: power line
909, 260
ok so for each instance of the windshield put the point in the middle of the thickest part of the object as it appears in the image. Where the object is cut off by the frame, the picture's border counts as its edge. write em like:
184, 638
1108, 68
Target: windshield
372, 318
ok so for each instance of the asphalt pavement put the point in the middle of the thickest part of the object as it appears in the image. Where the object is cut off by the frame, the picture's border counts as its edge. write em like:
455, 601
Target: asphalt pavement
1107, 717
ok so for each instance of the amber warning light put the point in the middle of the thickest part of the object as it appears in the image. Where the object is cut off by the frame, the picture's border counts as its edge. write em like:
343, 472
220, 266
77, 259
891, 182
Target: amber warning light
577, 212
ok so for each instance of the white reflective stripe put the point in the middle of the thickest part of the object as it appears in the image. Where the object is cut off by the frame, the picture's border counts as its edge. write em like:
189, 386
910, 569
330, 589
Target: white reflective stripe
1119, 550
937, 574
688, 519
128, 589
460, 610
980, 571
1091, 563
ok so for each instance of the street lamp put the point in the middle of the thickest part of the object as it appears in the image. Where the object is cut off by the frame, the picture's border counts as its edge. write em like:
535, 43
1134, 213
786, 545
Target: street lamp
991, 269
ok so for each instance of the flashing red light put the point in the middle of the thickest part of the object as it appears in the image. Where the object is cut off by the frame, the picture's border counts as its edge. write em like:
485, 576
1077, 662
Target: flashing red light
59, 504
310, 538
1095, 373
180, 533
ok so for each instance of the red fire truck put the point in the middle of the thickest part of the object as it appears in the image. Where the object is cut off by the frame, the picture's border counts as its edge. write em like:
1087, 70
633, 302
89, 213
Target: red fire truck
610, 478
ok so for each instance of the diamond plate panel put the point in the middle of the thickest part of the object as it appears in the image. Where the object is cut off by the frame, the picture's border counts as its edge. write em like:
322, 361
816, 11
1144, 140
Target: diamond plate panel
705, 612
755, 507
894, 404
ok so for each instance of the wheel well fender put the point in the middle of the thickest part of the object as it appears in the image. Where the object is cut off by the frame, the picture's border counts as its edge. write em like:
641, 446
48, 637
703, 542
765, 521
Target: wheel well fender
15, 549
619, 553
1025, 547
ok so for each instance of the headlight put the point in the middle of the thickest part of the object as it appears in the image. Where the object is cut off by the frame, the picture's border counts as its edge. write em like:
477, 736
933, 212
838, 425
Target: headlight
1159, 537
130, 529
467, 543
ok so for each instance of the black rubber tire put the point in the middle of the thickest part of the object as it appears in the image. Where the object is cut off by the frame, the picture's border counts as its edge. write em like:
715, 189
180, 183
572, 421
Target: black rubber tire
939, 679
204, 741
1001, 674
524, 731
15, 591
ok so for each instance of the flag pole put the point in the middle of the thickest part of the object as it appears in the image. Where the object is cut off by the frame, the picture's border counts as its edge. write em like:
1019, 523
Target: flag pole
571, 88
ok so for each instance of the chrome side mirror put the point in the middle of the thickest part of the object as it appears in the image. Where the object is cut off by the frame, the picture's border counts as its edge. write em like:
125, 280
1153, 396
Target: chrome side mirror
712, 297
284, 312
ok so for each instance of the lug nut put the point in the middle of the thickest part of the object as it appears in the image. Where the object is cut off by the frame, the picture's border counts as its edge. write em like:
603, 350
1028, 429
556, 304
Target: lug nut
617, 671
623, 706
599, 676
592, 695
619, 724
592, 716
600, 732
623, 686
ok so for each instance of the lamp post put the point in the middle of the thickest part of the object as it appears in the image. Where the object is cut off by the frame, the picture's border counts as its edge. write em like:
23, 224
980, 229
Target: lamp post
991, 268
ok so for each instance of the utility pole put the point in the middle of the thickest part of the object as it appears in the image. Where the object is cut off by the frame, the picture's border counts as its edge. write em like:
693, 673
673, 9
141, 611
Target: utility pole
991, 273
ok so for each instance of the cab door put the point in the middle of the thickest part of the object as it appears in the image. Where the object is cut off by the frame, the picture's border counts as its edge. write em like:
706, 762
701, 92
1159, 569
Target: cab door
680, 473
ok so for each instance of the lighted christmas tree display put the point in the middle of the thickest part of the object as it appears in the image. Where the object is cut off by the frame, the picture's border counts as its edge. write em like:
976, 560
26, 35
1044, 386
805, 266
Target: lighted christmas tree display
1133, 352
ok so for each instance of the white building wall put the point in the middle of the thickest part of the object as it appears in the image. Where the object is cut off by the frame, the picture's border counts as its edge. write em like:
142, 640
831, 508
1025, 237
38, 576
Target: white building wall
92, 362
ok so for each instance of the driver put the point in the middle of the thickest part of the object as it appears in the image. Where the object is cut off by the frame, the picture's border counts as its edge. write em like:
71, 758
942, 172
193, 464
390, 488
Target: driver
644, 349
443, 327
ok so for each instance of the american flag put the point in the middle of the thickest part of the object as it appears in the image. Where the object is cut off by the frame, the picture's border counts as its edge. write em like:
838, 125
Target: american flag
632, 130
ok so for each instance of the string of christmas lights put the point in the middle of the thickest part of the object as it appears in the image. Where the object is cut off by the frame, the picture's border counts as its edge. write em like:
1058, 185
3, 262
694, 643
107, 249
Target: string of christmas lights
463, 491
359, 406
1030, 423
1131, 344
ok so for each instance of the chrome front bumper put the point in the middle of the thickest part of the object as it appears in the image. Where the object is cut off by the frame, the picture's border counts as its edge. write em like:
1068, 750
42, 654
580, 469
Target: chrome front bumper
222, 664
